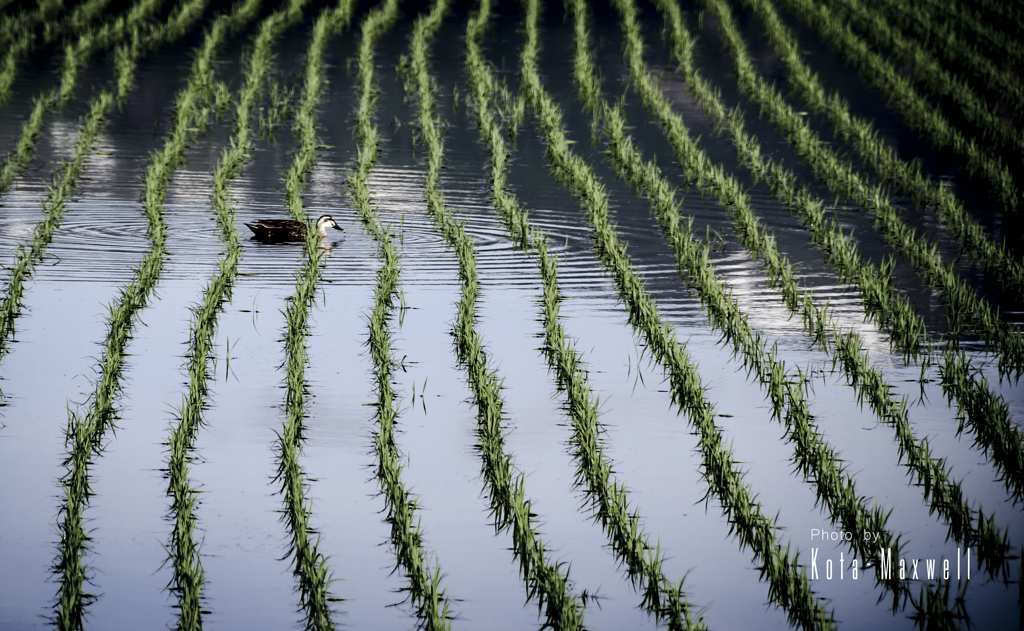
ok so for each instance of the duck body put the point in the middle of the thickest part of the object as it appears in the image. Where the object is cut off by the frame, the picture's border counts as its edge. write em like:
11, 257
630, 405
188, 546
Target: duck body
284, 230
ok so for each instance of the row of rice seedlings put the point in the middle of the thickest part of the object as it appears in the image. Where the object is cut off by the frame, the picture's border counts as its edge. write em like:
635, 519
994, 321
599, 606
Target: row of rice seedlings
906, 176
78, 20
131, 33
82, 434
994, 432
425, 591
990, 32
310, 565
63, 184
788, 584
662, 598
914, 108
85, 433
188, 577
17, 36
996, 131
547, 581
29, 18
845, 348
815, 458
941, 40
890, 310
17, 49
75, 57
25, 39
964, 307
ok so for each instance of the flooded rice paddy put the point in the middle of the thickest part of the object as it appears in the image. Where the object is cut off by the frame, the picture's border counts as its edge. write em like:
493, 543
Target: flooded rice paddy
246, 572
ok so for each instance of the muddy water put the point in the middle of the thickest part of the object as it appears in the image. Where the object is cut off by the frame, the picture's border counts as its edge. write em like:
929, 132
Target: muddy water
244, 542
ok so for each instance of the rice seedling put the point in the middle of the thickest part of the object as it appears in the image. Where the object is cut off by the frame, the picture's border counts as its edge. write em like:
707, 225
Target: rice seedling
944, 495
426, 594
996, 132
915, 109
787, 583
310, 565
962, 54
891, 311
84, 436
63, 183
78, 54
964, 307
906, 176
662, 598
547, 581
188, 578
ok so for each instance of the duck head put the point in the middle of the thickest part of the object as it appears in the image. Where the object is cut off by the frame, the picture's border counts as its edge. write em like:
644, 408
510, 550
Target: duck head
325, 222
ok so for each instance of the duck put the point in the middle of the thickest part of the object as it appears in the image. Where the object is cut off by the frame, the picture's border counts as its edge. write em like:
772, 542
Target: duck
280, 230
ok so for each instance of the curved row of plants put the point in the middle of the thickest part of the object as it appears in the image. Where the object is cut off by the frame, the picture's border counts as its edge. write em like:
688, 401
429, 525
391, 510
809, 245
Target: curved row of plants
914, 108
908, 177
997, 133
111, 30
64, 181
964, 307
17, 34
79, 19
29, 18
663, 598
819, 463
188, 577
991, 29
48, 101
892, 312
788, 585
425, 592
309, 564
85, 434
958, 53
845, 348
547, 581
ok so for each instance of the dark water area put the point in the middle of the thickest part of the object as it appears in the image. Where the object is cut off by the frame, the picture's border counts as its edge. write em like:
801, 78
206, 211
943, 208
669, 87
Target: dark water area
249, 580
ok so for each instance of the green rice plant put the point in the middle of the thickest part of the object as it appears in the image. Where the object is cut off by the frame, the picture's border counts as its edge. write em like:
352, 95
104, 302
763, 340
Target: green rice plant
80, 439
964, 307
662, 598
994, 129
188, 579
787, 583
883, 303
85, 432
944, 495
76, 56
63, 185
986, 27
906, 176
961, 54
310, 565
547, 581
915, 109
425, 591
